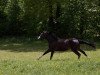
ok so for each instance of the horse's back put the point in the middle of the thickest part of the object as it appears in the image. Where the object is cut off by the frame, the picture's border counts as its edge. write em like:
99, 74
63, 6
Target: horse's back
64, 44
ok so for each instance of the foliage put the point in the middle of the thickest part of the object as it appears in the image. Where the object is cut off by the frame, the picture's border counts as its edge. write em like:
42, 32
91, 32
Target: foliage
66, 18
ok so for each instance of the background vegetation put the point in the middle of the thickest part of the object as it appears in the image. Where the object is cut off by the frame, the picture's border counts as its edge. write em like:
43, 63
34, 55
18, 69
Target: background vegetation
66, 18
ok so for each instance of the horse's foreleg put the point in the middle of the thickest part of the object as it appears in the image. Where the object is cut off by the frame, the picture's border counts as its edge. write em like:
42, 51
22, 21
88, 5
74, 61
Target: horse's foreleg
52, 52
44, 54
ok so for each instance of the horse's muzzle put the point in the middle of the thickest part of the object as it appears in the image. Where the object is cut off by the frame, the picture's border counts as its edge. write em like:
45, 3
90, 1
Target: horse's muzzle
39, 37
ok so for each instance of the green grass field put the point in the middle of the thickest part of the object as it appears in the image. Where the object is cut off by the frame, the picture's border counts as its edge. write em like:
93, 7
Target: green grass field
19, 57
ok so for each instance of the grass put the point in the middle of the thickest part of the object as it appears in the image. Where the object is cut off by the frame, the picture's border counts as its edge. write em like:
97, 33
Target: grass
19, 57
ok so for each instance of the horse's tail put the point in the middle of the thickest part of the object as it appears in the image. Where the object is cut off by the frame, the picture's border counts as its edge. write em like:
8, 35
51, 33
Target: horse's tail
88, 43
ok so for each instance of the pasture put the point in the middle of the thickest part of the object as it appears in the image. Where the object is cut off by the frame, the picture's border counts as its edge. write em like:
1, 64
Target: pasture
18, 56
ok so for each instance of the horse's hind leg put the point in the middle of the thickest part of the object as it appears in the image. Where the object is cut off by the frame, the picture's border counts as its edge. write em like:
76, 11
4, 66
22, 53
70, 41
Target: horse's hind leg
76, 52
82, 52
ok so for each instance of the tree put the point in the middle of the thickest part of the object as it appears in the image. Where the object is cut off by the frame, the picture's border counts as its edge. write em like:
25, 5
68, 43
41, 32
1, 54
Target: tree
3, 17
65, 18
13, 16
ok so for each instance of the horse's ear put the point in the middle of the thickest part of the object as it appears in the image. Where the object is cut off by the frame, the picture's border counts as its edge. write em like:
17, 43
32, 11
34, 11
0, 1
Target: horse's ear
44, 31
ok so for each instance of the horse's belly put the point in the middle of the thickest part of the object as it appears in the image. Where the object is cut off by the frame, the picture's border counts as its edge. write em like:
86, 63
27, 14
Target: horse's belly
61, 49
60, 46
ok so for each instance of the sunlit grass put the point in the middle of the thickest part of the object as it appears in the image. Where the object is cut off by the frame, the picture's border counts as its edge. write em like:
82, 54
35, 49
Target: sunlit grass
20, 58
12, 63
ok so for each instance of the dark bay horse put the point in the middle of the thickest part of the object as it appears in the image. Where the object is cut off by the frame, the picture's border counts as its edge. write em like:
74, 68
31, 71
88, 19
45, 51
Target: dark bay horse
57, 44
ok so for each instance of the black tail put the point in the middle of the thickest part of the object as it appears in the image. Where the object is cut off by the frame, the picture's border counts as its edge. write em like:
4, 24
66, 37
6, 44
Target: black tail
88, 43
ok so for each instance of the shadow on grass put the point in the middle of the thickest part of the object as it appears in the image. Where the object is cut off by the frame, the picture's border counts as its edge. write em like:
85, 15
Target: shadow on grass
22, 44
98, 45
28, 45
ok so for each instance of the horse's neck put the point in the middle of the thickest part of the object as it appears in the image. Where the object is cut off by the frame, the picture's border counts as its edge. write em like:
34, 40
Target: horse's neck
51, 39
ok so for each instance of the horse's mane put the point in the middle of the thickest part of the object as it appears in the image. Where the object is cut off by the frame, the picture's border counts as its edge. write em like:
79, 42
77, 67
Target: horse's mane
54, 36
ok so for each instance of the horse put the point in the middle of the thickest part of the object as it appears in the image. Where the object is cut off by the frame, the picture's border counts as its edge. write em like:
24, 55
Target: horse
57, 44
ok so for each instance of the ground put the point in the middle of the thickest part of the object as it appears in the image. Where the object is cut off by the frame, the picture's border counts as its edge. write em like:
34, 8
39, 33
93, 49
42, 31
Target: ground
19, 57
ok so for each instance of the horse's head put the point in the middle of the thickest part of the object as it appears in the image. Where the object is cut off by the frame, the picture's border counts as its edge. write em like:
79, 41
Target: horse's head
44, 35
48, 36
